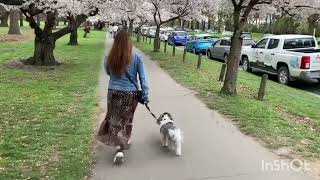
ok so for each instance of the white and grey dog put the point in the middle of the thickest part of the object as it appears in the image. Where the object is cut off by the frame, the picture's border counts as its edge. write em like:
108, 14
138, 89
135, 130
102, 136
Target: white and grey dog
171, 136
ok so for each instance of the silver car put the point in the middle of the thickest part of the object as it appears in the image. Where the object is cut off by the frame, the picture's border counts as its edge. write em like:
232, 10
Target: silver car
220, 49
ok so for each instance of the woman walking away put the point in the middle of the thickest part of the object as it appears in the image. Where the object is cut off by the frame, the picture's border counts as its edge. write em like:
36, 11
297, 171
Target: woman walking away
123, 66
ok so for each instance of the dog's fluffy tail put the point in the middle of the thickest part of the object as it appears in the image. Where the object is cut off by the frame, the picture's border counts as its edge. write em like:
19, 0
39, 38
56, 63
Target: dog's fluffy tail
176, 134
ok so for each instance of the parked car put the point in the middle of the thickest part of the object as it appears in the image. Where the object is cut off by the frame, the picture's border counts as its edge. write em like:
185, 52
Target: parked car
289, 57
151, 32
178, 37
144, 30
267, 35
227, 34
179, 29
247, 35
188, 29
220, 49
199, 43
165, 34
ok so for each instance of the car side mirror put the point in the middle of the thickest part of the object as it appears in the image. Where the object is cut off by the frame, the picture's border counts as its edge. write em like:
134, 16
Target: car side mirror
253, 46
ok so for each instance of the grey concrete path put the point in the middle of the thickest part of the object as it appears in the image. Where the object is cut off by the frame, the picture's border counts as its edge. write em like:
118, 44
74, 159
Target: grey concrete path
213, 149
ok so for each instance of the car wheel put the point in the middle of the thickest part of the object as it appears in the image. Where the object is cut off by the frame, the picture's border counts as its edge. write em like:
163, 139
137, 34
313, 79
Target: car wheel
225, 58
283, 75
245, 64
209, 54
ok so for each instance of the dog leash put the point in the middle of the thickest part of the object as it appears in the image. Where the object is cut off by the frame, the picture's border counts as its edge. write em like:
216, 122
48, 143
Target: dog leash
152, 114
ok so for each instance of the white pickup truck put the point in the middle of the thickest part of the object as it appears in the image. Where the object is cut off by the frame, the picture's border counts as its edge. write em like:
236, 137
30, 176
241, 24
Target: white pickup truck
290, 57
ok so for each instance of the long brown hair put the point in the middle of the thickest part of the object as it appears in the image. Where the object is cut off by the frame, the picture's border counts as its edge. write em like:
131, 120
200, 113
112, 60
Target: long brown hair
120, 54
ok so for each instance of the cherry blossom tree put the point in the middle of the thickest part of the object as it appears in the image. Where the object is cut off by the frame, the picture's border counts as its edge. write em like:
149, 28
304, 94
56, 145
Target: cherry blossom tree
143, 17
164, 11
76, 11
4, 16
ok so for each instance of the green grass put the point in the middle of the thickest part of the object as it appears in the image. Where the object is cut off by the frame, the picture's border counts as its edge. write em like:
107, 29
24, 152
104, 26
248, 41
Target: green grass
48, 114
285, 119
257, 36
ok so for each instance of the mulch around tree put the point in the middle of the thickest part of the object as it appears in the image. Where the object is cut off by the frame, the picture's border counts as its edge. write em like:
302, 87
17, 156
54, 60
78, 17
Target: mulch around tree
14, 38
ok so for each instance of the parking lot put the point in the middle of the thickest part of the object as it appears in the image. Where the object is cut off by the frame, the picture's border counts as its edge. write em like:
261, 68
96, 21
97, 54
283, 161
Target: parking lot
312, 86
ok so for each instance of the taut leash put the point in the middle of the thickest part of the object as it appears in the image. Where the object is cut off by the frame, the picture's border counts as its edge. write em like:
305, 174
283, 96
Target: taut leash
147, 106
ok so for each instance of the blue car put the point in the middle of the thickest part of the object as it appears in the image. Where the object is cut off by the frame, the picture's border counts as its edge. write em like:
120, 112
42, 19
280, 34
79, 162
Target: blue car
200, 43
178, 38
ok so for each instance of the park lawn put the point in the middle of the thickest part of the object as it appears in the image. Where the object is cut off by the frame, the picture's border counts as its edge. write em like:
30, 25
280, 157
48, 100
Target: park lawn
288, 117
48, 114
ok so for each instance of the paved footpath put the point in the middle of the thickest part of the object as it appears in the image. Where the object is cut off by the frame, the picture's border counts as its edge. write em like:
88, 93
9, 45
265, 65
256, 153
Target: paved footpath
213, 149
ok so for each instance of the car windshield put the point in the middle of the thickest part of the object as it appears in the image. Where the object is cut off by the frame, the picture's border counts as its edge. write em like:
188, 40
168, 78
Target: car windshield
299, 43
248, 42
179, 34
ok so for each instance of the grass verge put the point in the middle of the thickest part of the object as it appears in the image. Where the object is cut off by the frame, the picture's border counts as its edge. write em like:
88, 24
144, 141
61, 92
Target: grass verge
47, 114
287, 118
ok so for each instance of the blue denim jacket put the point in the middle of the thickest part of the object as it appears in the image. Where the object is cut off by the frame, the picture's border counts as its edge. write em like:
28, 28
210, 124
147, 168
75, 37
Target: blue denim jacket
136, 69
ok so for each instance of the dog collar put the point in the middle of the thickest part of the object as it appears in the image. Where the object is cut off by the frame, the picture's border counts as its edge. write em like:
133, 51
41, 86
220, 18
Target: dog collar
165, 122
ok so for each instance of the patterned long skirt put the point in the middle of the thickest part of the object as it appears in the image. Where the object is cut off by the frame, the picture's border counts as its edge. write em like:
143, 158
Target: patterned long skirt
116, 128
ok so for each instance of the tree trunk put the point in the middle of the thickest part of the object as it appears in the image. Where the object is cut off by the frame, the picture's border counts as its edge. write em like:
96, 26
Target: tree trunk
230, 83
312, 23
21, 19
73, 38
130, 27
38, 19
14, 22
203, 25
86, 29
44, 43
183, 23
156, 43
219, 22
172, 23
139, 34
270, 24
192, 24
43, 52
99, 25
209, 23
197, 25
4, 20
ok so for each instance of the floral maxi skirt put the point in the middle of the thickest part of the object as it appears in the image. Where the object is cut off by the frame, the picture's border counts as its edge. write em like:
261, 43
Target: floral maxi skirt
116, 128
